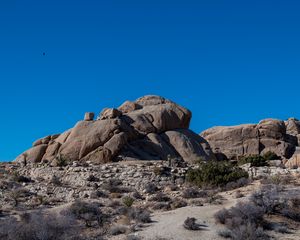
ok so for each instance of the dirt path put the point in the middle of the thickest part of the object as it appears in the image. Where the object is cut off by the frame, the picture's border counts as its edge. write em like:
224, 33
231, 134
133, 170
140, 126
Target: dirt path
168, 225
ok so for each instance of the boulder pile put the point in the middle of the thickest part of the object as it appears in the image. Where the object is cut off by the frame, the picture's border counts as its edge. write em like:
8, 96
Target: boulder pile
280, 137
150, 128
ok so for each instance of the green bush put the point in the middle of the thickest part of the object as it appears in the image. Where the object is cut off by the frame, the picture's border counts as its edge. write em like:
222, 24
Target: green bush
128, 201
271, 156
215, 174
61, 161
254, 160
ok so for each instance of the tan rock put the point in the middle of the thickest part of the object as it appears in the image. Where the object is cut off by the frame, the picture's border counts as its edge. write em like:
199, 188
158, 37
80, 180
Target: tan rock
137, 130
129, 106
109, 113
89, 116
294, 162
247, 139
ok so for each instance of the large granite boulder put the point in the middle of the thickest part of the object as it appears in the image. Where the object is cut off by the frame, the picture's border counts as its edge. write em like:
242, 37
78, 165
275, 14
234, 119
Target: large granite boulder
268, 135
149, 128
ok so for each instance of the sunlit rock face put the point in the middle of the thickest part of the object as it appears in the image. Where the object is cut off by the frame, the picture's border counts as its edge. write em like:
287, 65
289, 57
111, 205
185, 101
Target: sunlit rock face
150, 128
268, 135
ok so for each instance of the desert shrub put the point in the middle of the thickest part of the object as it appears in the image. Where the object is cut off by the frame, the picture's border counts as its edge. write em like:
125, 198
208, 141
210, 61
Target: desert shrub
99, 194
150, 188
38, 226
136, 195
240, 214
55, 180
178, 203
237, 184
194, 193
20, 178
190, 224
274, 201
159, 197
92, 178
222, 215
254, 160
277, 179
139, 215
158, 171
114, 204
118, 229
132, 237
165, 206
225, 233
215, 174
128, 201
248, 231
88, 212
268, 200
291, 213
282, 229
61, 161
115, 186
243, 221
17, 194
271, 156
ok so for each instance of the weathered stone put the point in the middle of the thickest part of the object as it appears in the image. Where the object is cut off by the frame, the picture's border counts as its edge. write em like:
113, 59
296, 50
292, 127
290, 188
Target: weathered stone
294, 162
247, 139
109, 113
140, 130
89, 116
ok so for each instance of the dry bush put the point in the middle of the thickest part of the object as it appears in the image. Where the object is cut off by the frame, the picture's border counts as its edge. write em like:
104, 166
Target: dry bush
190, 224
159, 197
150, 188
165, 206
92, 178
99, 194
139, 215
55, 180
38, 226
178, 203
115, 186
237, 184
87, 212
118, 229
277, 179
194, 193
16, 195
242, 220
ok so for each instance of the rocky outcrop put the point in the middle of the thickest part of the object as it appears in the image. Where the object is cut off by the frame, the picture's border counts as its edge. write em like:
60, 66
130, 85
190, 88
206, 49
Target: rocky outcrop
268, 135
150, 128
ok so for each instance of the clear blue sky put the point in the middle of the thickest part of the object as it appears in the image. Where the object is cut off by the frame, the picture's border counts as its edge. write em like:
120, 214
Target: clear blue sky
230, 62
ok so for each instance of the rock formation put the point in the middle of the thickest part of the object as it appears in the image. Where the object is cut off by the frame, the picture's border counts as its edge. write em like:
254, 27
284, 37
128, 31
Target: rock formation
151, 128
268, 135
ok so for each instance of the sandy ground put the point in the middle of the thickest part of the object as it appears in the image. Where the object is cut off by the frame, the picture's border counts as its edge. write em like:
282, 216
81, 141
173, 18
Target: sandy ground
169, 225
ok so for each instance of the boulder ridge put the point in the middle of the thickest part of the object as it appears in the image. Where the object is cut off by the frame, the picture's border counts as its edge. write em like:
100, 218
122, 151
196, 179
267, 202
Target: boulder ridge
150, 128
280, 137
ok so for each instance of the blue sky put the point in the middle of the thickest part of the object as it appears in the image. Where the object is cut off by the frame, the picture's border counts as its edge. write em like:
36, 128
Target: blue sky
230, 62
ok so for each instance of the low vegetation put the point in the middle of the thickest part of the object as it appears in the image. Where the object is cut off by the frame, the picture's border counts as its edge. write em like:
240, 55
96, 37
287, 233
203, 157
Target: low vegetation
247, 220
38, 226
87, 212
214, 174
258, 160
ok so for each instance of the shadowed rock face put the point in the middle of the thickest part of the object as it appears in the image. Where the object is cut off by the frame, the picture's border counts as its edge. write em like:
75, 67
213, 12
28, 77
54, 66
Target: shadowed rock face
268, 135
149, 128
